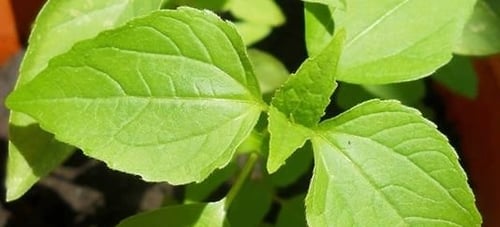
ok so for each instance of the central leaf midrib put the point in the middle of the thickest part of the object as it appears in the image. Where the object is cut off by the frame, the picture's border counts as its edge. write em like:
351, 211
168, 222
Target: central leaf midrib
365, 176
144, 98
443, 189
169, 55
208, 131
377, 22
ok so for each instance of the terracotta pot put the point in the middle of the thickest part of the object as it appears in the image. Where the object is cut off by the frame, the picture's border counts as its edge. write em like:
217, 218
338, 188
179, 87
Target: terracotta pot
478, 124
9, 43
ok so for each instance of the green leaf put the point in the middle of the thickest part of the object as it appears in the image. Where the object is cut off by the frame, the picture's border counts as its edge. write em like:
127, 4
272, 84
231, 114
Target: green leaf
255, 19
31, 157
459, 76
382, 164
197, 192
169, 96
292, 213
305, 95
251, 205
214, 5
397, 35
335, 3
251, 32
195, 215
54, 33
319, 27
296, 166
263, 12
286, 137
270, 72
300, 103
481, 35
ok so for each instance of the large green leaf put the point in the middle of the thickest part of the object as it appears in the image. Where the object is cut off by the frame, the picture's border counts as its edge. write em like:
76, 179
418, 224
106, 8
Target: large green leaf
396, 40
481, 35
459, 76
382, 164
169, 96
195, 215
54, 33
301, 102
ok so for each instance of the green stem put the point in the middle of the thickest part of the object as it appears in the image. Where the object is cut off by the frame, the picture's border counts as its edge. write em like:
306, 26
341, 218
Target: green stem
245, 172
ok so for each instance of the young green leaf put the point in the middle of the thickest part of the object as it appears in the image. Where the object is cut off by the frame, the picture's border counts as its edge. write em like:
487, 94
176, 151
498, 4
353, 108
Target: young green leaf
392, 41
305, 95
481, 35
196, 215
300, 103
54, 33
169, 96
382, 164
459, 76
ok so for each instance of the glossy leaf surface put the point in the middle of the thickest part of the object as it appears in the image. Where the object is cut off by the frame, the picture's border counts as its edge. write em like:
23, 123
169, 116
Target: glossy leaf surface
158, 97
391, 41
382, 164
53, 34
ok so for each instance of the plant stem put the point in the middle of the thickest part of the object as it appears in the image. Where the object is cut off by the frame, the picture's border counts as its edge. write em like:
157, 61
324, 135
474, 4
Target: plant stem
247, 169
